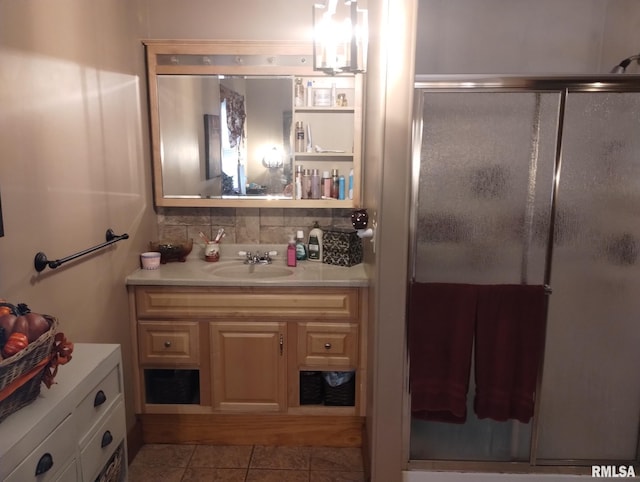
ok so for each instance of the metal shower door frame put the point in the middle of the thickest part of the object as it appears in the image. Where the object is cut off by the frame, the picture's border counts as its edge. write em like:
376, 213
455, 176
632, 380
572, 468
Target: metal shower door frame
562, 85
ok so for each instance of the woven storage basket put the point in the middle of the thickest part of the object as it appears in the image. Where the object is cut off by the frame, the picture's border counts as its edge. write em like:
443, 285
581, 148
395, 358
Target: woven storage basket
311, 388
113, 470
21, 374
173, 386
343, 395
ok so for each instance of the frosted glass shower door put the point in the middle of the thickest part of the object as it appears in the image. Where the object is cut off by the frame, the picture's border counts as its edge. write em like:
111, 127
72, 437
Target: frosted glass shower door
590, 404
482, 215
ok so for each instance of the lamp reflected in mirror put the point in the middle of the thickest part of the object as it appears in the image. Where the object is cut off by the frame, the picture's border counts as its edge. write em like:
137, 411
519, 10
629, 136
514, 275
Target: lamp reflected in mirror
273, 158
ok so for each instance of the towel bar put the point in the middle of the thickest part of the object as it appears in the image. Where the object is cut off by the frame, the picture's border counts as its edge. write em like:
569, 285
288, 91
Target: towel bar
40, 262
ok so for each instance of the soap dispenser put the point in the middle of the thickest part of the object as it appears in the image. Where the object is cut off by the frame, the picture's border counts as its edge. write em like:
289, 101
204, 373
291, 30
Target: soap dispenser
315, 243
291, 252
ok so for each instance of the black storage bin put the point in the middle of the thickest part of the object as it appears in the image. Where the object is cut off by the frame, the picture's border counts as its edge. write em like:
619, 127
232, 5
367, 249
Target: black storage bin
172, 386
311, 388
342, 394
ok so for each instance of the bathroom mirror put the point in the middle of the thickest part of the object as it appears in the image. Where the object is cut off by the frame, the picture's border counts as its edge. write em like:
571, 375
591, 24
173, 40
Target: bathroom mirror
223, 137
221, 121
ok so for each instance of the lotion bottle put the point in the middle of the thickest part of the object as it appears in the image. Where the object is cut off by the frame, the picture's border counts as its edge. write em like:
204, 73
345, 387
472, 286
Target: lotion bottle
291, 252
315, 243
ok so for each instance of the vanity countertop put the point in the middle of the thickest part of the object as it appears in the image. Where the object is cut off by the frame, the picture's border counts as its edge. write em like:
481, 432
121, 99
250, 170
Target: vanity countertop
230, 271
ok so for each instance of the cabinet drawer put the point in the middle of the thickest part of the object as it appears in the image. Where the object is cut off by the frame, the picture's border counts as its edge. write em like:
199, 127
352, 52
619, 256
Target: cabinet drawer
328, 344
58, 448
98, 401
248, 303
102, 445
70, 473
168, 343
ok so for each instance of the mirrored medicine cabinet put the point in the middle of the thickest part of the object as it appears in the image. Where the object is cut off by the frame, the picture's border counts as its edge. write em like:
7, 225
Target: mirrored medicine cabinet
223, 125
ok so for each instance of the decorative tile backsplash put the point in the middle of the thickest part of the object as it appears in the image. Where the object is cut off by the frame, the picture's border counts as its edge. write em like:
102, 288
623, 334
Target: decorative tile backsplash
246, 225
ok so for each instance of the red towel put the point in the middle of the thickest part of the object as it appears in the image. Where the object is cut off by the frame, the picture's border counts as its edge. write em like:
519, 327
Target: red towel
441, 325
509, 345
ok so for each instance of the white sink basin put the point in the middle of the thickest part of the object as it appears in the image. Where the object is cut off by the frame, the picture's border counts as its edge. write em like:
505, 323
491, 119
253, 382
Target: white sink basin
249, 271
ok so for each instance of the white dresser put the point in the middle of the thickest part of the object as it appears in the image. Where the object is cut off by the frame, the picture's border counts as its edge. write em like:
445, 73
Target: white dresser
74, 430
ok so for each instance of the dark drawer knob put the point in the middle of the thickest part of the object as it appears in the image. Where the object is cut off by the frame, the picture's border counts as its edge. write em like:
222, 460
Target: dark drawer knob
327, 346
107, 438
44, 464
167, 344
100, 399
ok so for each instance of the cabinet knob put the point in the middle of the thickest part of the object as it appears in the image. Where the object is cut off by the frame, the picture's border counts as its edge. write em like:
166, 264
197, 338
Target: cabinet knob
327, 346
167, 344
100, 399
107, 438
44, 464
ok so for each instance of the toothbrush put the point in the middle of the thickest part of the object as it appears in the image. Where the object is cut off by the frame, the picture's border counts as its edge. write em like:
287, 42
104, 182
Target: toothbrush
219, 235
204, 238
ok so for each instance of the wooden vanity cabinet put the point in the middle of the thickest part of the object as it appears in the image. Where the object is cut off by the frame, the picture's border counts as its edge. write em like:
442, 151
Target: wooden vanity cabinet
248, 366
248, 347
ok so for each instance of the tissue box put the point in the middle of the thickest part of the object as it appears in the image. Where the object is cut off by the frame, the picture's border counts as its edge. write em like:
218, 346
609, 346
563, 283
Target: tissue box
341, 246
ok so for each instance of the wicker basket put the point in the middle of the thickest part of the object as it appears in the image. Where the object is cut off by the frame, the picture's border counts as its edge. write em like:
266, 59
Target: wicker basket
343, 395
113, 470
173, 386
311, 388
21, 374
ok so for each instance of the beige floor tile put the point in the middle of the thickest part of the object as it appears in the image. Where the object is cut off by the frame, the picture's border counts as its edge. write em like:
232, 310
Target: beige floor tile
266, 475
200, 474
149, 473
348, 459
221, 456
268, 457
164, 455
333, 476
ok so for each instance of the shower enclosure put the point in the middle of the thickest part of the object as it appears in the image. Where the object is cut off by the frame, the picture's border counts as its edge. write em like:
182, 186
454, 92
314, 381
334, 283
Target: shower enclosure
537, 181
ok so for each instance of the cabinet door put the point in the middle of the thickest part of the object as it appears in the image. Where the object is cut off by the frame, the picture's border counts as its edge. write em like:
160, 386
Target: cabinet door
248, 365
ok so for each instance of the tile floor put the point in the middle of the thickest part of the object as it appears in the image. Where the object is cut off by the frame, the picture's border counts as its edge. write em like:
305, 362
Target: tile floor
257, 463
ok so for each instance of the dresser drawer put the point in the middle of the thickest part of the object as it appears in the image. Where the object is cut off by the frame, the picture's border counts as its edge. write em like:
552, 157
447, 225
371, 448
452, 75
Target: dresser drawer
168, 343
54, 452
97, 402
328, 345
248, 303
102, 445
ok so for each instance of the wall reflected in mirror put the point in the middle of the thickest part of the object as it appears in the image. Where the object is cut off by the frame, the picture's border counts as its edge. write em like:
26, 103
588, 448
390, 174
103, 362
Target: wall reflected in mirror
225, 136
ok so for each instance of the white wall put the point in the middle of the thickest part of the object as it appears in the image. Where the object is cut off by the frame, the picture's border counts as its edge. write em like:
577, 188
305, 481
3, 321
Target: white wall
73, 162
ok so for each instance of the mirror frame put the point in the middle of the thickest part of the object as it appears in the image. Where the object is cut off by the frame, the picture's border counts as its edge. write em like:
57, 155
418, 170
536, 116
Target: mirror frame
278, 58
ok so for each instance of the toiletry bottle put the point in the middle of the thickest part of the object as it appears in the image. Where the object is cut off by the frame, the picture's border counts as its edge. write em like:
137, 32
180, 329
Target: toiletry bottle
335, 183
306, 184
315, 243
301, 248
341, 188
327, 183
351, 184
315, 184
298, 182
299, 93
309, 94
291, 252
309, 141
300, 145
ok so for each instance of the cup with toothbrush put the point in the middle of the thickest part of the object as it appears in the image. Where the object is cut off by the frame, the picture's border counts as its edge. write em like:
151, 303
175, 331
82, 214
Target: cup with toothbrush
212, 248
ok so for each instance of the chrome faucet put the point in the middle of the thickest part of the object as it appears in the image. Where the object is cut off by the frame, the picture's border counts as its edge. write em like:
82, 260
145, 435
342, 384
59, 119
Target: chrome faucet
257, 258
